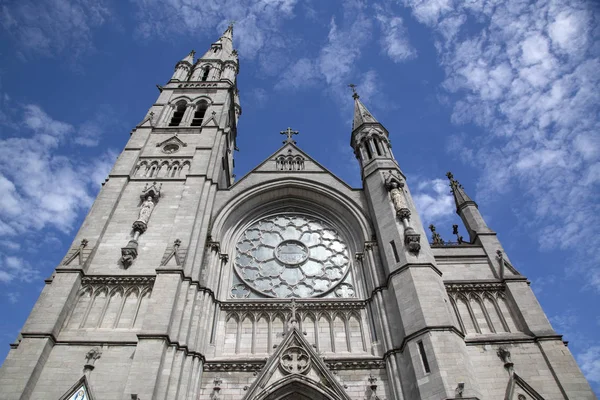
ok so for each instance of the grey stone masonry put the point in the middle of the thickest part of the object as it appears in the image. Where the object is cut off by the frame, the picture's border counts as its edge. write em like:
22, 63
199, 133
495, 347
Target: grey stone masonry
184, 283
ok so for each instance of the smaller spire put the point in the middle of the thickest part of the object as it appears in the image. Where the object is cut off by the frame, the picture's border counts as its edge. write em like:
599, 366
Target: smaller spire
228, 34
361, 114
460, 196
189, 58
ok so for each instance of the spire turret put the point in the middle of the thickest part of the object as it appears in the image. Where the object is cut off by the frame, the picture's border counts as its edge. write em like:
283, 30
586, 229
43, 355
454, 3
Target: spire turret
220, 62
183, 67
468, 210
361, 114
461, 198
369, 137
189, 58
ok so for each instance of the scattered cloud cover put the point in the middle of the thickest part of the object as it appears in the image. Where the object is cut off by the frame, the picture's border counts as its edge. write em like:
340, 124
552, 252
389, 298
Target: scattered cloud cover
394, 37
63, 27
434, 201
44, 187
589, 361
528, 75
523, 75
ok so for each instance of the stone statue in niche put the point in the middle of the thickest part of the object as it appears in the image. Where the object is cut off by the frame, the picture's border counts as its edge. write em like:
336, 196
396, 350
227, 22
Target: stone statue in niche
394, 185
146, 210
151, 195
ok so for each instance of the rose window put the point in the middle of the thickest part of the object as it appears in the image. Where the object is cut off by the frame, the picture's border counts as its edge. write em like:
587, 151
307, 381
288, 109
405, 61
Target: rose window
291, 256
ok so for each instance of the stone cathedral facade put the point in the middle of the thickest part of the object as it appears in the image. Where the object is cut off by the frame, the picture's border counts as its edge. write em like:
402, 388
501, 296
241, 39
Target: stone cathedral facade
286, 284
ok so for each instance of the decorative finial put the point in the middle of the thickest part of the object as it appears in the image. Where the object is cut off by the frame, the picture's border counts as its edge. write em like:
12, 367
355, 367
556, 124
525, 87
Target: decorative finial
289, 132
435, 237
459, 238
354, 94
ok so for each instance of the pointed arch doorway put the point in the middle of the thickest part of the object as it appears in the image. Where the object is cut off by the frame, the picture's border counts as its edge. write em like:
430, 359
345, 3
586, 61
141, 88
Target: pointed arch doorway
296, 389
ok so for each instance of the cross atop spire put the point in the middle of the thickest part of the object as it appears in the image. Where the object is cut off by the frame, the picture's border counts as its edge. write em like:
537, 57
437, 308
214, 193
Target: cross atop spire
289, 132
354, 93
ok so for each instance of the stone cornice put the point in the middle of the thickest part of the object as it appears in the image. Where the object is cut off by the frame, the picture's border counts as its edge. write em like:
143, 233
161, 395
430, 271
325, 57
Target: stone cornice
226, 366
355, 364
474, 286
325, 304
117, 280
255, 366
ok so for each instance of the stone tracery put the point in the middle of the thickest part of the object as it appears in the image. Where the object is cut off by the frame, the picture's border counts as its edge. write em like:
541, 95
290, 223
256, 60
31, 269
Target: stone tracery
291, 256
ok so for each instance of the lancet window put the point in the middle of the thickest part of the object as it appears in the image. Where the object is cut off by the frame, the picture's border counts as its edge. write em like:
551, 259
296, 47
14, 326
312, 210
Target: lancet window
201, 108
178, 113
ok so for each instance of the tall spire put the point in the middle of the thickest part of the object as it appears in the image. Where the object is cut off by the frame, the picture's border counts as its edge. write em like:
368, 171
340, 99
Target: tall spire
223, 48
361, 114
460, 196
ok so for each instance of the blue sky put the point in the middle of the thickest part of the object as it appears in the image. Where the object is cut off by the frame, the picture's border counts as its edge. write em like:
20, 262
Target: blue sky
506, 94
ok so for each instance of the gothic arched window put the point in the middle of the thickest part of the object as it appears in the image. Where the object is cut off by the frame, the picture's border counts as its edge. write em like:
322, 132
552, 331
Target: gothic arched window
205, 72
178, 113
292, 255
199, 114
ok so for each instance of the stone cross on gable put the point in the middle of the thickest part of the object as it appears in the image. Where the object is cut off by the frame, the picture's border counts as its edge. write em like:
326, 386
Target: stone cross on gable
289, 132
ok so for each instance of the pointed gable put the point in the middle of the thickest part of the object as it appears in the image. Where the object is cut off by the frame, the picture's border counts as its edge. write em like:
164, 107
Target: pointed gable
79, 391
518, 389
173, 139
296, 368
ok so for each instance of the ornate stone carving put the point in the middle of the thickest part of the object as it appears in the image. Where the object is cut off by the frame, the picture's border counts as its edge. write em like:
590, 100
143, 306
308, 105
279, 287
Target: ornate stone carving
90, 359
295, 360
345, 290
118, 280
504, 355
129, 253
460, 388
151, 195
289, 162
145, 211
395, 186
475, 287
355, 364
218, 366
240, 291
289, 133
412, 240
331, 304
291, 255
436, 239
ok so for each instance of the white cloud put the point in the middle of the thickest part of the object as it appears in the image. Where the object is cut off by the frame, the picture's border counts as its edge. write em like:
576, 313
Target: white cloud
257, 21
434, 201
527, 74
394, 38
302, 74
54, 27
44, 188
15, 268
589, 361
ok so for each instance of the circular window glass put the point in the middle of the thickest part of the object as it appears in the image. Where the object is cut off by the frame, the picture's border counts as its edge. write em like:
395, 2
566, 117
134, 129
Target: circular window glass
291, 256
170, 148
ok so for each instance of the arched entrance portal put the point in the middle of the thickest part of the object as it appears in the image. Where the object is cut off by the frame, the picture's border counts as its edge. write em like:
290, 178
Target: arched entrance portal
297, 388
